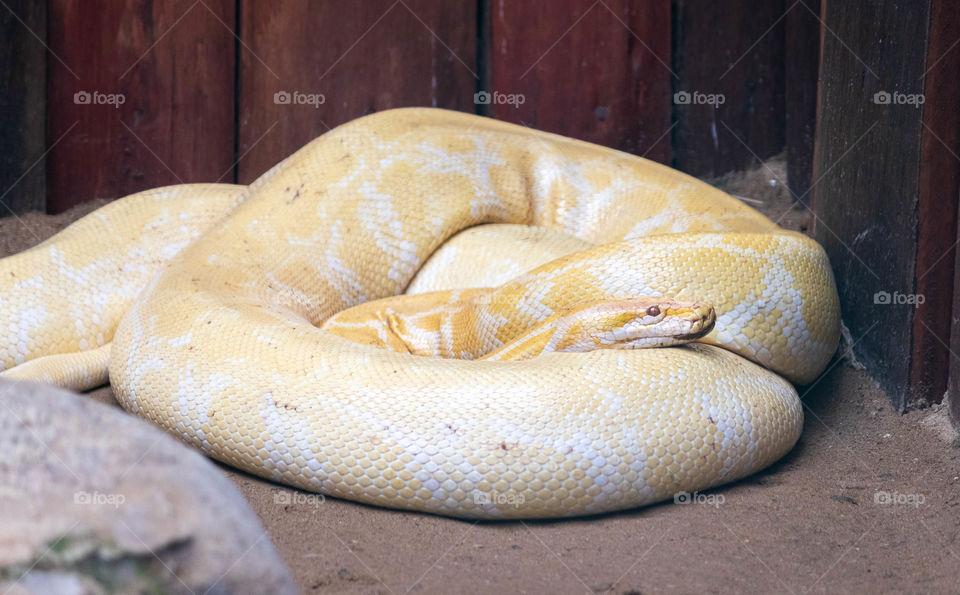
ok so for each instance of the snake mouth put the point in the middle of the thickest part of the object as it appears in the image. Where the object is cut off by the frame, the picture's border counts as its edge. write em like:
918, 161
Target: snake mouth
703, 318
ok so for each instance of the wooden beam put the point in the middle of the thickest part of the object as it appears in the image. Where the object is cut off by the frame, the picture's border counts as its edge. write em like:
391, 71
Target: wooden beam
595, 71
867, 156
939, 193
734, 50
887, 201
143, 97
23, 69
358, 57
941, 184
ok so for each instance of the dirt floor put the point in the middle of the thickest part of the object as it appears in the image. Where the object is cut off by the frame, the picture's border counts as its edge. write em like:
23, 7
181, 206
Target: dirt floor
868, 501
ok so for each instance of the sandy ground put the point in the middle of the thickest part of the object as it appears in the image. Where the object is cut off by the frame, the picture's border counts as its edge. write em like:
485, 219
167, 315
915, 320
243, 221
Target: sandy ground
868, 501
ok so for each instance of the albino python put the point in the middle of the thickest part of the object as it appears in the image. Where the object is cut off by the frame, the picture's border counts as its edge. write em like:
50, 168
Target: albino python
231, 316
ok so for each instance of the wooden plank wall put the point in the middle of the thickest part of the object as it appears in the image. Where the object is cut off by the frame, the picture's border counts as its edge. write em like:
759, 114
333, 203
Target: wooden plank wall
23, 63
599, 71
360, 57
198, 81
733, 49
171, 64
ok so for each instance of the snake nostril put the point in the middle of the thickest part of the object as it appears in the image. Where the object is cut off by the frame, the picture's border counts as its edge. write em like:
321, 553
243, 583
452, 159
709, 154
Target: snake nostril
653, 311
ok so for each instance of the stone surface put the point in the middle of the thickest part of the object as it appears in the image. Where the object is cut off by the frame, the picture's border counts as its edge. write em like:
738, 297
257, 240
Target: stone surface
95, 500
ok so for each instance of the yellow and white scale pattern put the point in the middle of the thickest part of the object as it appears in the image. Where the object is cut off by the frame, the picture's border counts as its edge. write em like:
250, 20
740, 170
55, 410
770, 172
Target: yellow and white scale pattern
224, 346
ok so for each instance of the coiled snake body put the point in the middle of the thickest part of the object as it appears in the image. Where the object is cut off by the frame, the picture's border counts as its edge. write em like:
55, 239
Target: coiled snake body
208, 302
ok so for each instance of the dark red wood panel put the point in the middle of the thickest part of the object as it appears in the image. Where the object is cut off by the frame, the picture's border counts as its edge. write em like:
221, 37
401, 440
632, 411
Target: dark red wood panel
939, 192
173, 62
23, 63
801, 74
360, 56
598, 71
734, 49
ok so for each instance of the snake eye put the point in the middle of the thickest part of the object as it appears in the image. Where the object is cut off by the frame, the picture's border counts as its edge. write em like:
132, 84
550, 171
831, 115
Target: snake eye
653, 311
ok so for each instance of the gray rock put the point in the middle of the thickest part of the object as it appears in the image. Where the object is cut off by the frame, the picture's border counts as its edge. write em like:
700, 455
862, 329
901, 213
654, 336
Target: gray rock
96, 500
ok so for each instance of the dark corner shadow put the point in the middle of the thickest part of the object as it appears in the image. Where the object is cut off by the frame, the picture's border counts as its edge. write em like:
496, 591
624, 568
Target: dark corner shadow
822, 395
819, 399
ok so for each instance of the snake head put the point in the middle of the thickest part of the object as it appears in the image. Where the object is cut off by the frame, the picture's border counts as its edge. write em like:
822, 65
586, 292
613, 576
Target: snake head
634, 323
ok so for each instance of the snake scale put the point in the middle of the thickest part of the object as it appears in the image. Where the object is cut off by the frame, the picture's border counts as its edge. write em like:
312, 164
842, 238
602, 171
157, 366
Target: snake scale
244, 320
